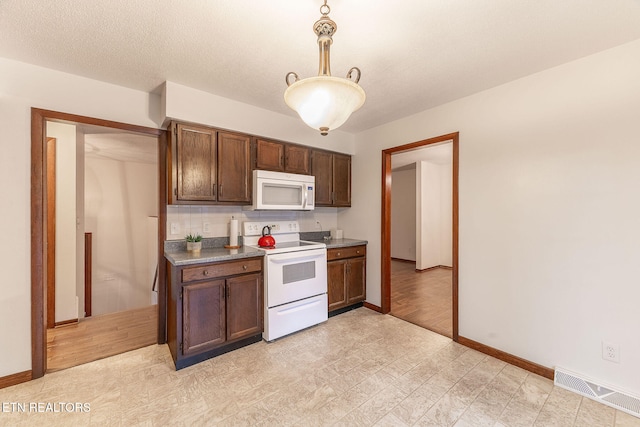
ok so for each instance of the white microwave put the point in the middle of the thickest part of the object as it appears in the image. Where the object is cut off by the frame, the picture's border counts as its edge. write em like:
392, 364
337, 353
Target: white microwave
282, 191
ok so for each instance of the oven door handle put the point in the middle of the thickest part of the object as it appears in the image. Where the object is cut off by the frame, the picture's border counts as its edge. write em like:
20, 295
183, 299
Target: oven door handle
289, 260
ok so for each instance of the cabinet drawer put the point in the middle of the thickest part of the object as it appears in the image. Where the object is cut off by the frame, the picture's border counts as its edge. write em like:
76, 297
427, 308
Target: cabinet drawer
208, 271
348, 252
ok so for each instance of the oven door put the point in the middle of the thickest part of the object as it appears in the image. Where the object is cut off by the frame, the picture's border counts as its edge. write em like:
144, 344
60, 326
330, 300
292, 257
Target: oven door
292, 276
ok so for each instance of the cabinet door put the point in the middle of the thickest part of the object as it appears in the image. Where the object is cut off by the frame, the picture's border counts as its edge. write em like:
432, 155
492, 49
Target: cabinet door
269, 155
356, 280
297, 159
195, 163
234, 168
336, 284
203, 316
322, 169
244, 306
341, 180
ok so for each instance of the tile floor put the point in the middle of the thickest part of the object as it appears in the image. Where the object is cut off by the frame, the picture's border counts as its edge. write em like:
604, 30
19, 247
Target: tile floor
358, 369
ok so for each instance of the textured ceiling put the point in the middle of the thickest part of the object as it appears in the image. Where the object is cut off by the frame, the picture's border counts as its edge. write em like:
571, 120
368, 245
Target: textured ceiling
122, 147
414, 54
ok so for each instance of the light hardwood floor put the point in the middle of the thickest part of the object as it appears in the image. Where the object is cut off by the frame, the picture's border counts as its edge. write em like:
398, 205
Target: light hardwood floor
98, 337
422, 298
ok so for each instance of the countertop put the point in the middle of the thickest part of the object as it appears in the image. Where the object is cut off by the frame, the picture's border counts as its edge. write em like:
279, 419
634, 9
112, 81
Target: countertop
206, 255
179, 257
341, 243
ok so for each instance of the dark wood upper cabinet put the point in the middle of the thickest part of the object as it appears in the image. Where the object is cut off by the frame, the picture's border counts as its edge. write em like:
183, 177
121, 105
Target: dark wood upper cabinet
269, 155
333, 178
208, 166
213, 166
234, 168
194, 149
282, 157
341, 180
296, 159
322, 169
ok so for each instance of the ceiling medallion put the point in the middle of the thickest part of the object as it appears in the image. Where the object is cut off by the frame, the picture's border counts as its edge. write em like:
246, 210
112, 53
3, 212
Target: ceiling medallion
324, 102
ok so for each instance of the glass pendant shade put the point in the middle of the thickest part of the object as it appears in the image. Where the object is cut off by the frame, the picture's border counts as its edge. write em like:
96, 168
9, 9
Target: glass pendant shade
324, 102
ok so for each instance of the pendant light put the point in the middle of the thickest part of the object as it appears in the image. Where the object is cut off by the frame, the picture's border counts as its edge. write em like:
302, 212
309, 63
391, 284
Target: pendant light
324, 102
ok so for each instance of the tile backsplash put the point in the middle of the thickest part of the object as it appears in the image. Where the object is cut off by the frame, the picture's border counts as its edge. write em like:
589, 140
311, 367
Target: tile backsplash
213, 221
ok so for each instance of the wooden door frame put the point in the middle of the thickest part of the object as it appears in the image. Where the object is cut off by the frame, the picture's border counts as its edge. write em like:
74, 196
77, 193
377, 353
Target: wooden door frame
39, 118
51, 231
385, 261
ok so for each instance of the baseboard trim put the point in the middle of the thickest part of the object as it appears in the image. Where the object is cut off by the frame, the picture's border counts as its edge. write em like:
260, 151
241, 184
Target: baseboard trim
345, 309
408, 261
66, 323
372, 307
435, 267
13, 379
509, 358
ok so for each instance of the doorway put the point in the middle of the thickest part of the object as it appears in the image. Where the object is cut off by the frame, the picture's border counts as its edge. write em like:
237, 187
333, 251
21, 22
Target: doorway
40, 221
386, 262
421, 237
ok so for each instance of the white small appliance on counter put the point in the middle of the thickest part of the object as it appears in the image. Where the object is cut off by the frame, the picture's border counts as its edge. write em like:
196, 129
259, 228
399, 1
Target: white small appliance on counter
295, 278
282, 191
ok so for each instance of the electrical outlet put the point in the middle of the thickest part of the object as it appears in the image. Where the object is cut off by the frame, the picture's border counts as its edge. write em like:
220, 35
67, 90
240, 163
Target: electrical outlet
610, 352
175, 228
206, 227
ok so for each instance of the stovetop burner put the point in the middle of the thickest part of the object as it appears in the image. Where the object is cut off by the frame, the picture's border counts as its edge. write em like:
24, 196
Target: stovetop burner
285, 233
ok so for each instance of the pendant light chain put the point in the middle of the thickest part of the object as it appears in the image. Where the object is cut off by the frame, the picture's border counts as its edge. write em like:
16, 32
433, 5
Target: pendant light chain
325, 9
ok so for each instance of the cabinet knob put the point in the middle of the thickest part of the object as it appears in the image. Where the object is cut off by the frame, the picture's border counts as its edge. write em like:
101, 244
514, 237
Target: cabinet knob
338, 253
205, 272
244, 267
357, 252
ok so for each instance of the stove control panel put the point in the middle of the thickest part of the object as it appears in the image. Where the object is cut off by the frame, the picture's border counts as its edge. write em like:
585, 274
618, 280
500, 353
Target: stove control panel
251, 228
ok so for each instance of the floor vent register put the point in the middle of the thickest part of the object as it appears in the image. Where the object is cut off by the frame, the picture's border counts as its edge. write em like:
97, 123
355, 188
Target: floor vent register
598, 392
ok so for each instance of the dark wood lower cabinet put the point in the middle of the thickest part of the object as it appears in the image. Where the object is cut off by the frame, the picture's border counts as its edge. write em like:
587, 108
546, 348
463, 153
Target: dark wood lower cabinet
244, 306
346, 276
213, 308
203, 316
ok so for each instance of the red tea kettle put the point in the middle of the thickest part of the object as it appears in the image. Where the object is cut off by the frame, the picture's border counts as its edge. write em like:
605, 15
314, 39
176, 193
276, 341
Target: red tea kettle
267, 240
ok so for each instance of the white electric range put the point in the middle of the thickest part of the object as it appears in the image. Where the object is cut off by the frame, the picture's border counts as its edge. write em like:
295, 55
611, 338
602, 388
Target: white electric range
295, 278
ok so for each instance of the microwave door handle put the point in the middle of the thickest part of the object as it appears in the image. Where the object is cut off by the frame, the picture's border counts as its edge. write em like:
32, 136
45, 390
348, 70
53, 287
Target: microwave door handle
306, 195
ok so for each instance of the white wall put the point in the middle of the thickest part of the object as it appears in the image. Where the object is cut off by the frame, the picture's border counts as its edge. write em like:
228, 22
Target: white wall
403, 214
446, 214
429, 211
192, 105
80, 221
66, 215
21, 87
434, 214
117, 206
549, 208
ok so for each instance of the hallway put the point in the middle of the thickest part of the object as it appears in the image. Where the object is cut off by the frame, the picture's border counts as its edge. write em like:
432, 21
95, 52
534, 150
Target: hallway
422, 298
